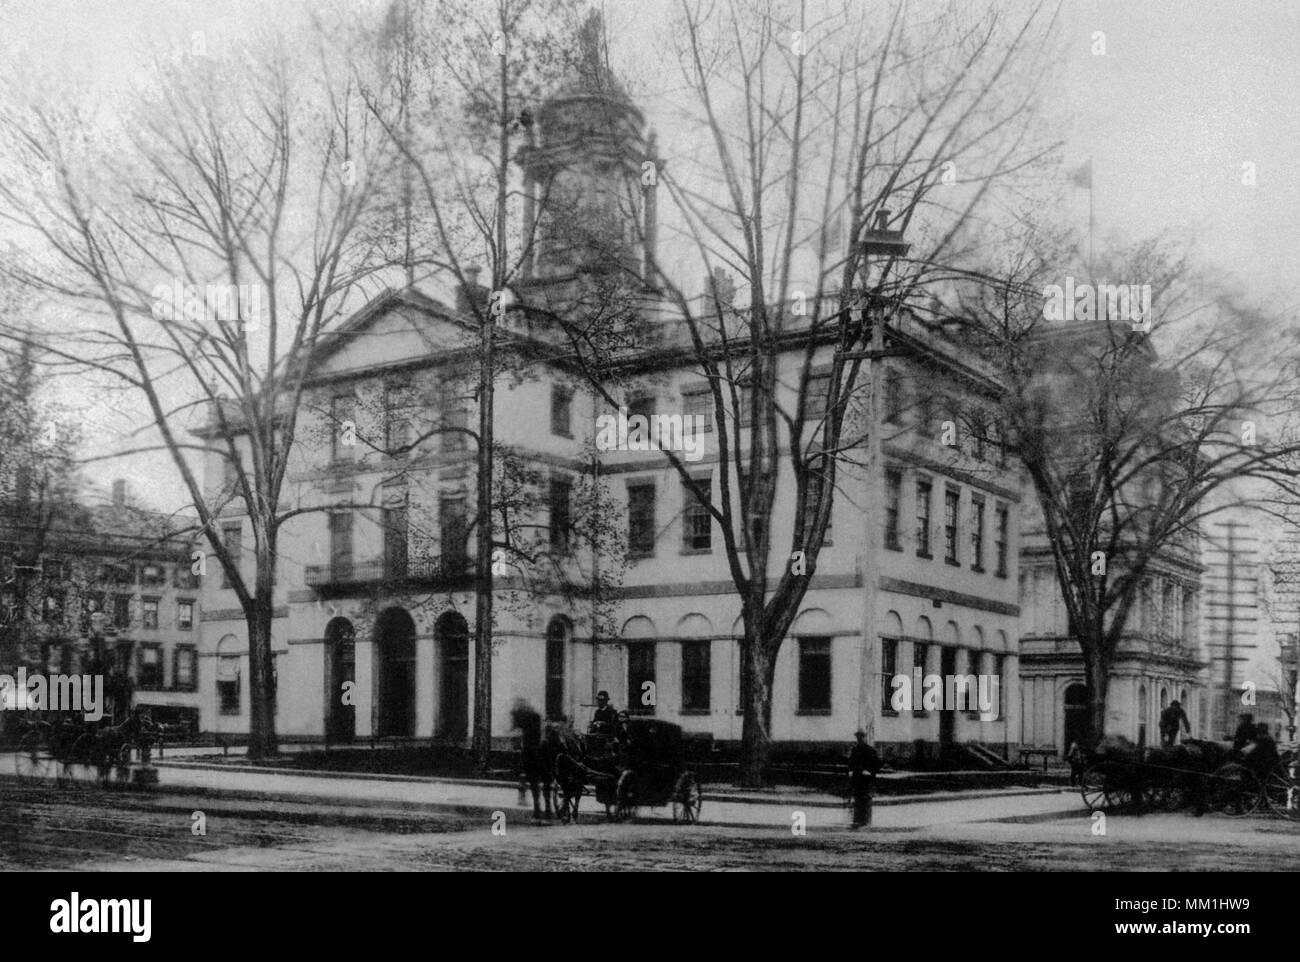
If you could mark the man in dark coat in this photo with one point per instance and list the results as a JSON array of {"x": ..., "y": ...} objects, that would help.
[
  {"x": 1245, "y": 733},
  {"x": 1170, "y": 719},
  {"x": 533, "y": 769},
  {"x": 604, "y": 721},
  {"x": 864, "y": 763}
]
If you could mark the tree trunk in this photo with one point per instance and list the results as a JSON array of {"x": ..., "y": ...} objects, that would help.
[
  {"x": 262, "y": 741},
  {"x": 757, "y": 668},
  {"x": 1097, "y": 670}
]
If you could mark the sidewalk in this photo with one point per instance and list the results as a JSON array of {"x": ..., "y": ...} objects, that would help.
[{"x": 722, "y": 806}]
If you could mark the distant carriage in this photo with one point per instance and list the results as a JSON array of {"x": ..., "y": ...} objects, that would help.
[
  {"x": 1202, "y": 774},
  {"x": 69, "y": 749},
  {"x": 643, "y": 766}
]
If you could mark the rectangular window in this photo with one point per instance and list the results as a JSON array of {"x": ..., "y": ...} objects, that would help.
[
  {"x": 641, "y": 520},
  {"x": 53, "y": 607},
  {"x": 640, "y": 677},
  {"x": 185, "y": 615},
  {"x": 818, "y": 402},
  {"x": 951, "y": 506},
  {"x": 923, "y": 518},
  {"x": 561, "y": 411},
  {"x": 814, "y": 675},
  {"x": 395, "y": 542},
  {"x": 228, "y": 685},
  {"x": 122, "y": 611},
  {"x": 698, "y": 403},
  {"x": 697, "y": 523},
  {"x": 977, "y": 534},
  {"x": 232, "y": 536},
  {"x": 893, "y": 397},
  {"x": 397, "y": 417},
  {"x": 888, "y": 669},
  {"x": 149, "y": 613},
  {"x": 641, "y": 404},
  {"x": 455, "y": 418},
  {"x": 920, "y": 650},
  {"x": 183, "y": 575},
  {"x": 343, "y": 427},
  {"x": 341, "y": 545},
  {"x": 1003, "y": 519},
  {"x": 185, "y": 668},
  {"x": 893, "y": 507},
  {"x": 696, "y": 668},
  {"x": 52, "y": 570},
  {"x": 153, "y": 575},
  {"x": 92, "y": 603},
  {"x": 561, "y": 513},
  {"x": 451, "y": 524},
  {"x": 817, "y": 467},
  {"x": 149, "y": 672}
]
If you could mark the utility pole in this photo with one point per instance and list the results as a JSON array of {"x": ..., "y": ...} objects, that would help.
[{"x": 886, "y": 244}]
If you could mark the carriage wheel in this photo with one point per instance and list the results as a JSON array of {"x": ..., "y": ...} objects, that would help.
[
  {"x": 687, "y": 798},
  {"x": 1093, "y": 784},
  {"x": 1282, "y": 793},
  {"x": 1169, "y": 797},
  {"x": 1236, "y": 790},
  {"x": 624, "y": 797},
  {"x": 32, "y": 761}
]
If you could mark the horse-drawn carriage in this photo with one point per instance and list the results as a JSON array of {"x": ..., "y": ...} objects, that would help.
[
  {"x": 1203, "y": 775},
  {"x": 68, "y": 748},
  {"x": 643, "y": 765}
]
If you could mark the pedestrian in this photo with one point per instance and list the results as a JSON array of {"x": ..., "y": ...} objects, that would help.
[
  {"x": 1170, "y": 719},
  {"x": 864, "y": 763},
  {"x": 1077, "y": 760},
  {"x": 533, "y": 771}
]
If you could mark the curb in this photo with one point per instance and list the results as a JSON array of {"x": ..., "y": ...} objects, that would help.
[{"x": 784, "y": 801}]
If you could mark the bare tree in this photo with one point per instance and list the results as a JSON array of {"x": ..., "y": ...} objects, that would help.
[
  {"x": 1136, "y": 418},
  {"x": 206, "y": 241},
  {"x": 805, "y": 127}
]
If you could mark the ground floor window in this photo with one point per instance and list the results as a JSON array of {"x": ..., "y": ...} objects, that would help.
[
  {"x": 184, "y": 674},
  {"x": 641, "y": 692},
  {"x": 696, "y": 668},
  {"x": 888, "y": 668},
  {"x": 814, "y": 674}
]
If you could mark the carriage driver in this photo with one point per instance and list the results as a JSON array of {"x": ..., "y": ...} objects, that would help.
[{"x": 604, "y": 721}]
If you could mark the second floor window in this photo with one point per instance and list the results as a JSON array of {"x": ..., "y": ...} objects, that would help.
[
  {"x": 561, "y": 411},
  {"x": 122, "y": 611},
  {"x": 341, "y": 544},
  {"x": 695, "y": 675},
  {"x": 1003, "y": 522},
  {"x": 923, "y": 489},
  {"x": 150, "y": 670},
  {"x": 343, "y": 427},
  {"x": 454, "y": 417},
  {"x": 452, "y": 530},
  {"x": 561, "y": 513},
  {"x": 951, "y": 500},
  {"x": 184, "y": 673},
  {"x": 641, "y": 519},
  {"x": 698, "y": 403},
  {"x": 893, "y": 501},
  {"x": 185, "y": 615},
  {"x": 395, "y": 537},
  {"x": 149, "y": 613},
  {"x": 814, "y": 674},
  {"x": 697, "y": 524},
  {"x": 977, "y": 534},
  {"x": 232, "y": 537}
]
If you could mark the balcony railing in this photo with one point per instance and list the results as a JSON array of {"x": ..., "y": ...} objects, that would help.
[{"x": 416, "y": 572}]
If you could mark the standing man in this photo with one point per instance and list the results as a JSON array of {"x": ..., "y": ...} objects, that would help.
[
  {"x": 604, "y": 720},
  {"x": 1170, "y": 719},
  {"x": 864, "y": 763}
]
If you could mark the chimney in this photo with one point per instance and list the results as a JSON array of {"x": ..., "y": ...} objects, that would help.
[{"x": 119, "y": 493}]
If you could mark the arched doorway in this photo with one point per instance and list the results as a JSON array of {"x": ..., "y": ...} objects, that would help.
[
  {"x": 452, "y": 634},
  {"x": 340, "y": 670},
  {"x": 1078, "y": 718},
  {"x": 557, "y": 642},
  {"x": 395, "y": 641}
]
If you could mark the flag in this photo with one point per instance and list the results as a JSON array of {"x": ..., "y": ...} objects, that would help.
[{"x": 1083, "y": 176}]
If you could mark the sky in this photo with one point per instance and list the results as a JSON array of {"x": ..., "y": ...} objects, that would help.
[{"x": 1186, "y": 100}]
